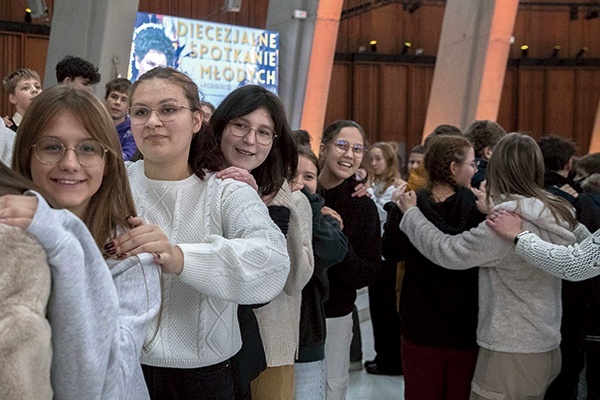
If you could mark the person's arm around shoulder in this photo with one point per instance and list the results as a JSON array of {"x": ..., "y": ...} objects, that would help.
[
  {"x": 459, "y": 252},
  {"x": 249, "y": 263}
]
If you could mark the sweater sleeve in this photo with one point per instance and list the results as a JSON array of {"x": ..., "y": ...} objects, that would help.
[
  {"x": 573, "y": 263},
  {"x": 249, "y": 263},
  {"x": 94, "y": 355},
  {"x": 476, "y": 247}
]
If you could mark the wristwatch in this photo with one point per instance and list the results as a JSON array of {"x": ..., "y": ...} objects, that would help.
[{"x": 516, "y": 239}]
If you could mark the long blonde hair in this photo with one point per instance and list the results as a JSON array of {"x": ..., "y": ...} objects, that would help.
[
  {"x": 392, "y": 174},
  {"x": 517, "y": 167},
  {"x": 111, "y": 205}
]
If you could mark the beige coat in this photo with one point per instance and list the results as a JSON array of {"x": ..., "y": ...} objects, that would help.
[{"x": 25, "y": 347}]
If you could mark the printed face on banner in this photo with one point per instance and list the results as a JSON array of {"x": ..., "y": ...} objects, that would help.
[{"x": 218, "y": 57}]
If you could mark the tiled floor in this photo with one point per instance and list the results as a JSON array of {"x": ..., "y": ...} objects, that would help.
[{"x": 364, "y": 386}]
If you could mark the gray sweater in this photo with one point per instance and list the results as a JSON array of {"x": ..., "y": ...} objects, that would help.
[
  {"x": 519, "y": 304},
  {"x": 98, "y": 312}
]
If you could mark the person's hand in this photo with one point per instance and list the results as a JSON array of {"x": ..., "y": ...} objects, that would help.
[
  {"x": 147, "y": 238},
  {"x": 505, "y": 224},
  {"x": 7, "y": 122},
  {"x": 295, "y": 186},
  {"x": 481, "y": 201},
  {"x": 407, "y": 200},
  {"x": 239, "y": 174},
  {"x": 398, "y": 192},
  {"x": 360, "y": 190},
  {"x": 568, "y": 189},
  {"x": 329, "y": 211},
  {"x": 399, "y": 182},
  {"x": 17, "y": 210}
]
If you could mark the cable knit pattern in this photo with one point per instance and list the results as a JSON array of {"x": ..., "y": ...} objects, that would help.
[
  {"x": 279, "y": 321},
  {"x": 574, "y": 263},
  {"x": 233, "y": 254},
  {"x": 519, "y": 304}
]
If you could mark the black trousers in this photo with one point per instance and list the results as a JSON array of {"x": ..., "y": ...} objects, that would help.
[
  {"x": 214, "y": 382},
  {"x": 385, "y": 317}
]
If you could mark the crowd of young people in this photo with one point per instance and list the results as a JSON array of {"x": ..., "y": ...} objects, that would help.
[{"x": 224, "y": 263}]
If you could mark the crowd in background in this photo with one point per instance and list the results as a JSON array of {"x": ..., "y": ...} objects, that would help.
[{"x": 159, "y": 247}]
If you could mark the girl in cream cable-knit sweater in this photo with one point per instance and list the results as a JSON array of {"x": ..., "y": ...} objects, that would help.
[
  {"x": 214, "y": 235},
  {"x": 519, "y": 305}
]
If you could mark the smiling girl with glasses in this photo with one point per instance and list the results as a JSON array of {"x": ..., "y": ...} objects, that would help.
[{"x": 361, "y": 226}]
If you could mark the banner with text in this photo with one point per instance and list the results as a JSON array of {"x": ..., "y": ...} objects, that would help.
[{"x": 218, "y": 57}]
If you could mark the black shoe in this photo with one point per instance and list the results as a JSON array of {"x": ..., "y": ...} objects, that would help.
[
  {"x": 369, "y": 363},
  {"x": 375, "y": 370}
]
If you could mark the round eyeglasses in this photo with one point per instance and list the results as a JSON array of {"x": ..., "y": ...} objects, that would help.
[
  {"x": 264, "y": 136},
  {"x": 50, "y": 151},
  {"x": 342, "y": 146},
  {"x": 165, "y": 112}
]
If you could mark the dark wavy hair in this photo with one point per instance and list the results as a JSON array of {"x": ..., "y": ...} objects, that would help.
[
  {"x": 204, "y": 149},
  {"x": 441, "y": 152},
  {"x": 282, "y": 161},
  {"x": 72, "y": 67}
]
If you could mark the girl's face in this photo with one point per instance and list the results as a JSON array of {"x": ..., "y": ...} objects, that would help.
[
  {"x": 25, "y": 91},
  {"x": 377, "y": 162},
  {"x": 415, "y": 160},
  {"x": 344, "y": 154},
  {"x": 164, "y": 143},
  {"x": 463, "y": 172},
  {"x": 68, "y": 182},
  {"x": 306, "y": 174},
  {"x": 243, "y": 139}
]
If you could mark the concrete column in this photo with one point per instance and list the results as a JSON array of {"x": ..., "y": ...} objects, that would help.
[
  {"x": 471, "y": 62},
  {"x": 307, "y": 49},
  {"x": 96, "y": 30},
  {"x": 595, "y": 138}
]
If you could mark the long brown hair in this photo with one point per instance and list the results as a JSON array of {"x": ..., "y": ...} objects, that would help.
[
  {"x": 441, "y": 152},
  {"x": 111, "y": 205},
  {"x": 517, "y": 167}
]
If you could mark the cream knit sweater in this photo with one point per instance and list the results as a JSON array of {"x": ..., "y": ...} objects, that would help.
[
  {"x": 233, "y": 254},
  {"x": 279, "y": 321}
]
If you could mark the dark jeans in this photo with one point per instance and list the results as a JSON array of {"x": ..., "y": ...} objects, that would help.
[{"x": 214, "y": 382}]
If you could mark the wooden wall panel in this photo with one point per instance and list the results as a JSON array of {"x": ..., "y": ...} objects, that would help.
[
  {"x": 507, "y": 114},
  {"x": 587, "y": 95},
  {"x": 420, "y": 79},
  {"x": 394, "y": 103},
  {"x": 560, "y": 102},
  {"x": 531, "y": 101},
  {"x": 11, "y": 58},
  {"x": 36, "y": 50},
  {"x": 340, "y": 93},
  {"x": 366, "y": 102}
]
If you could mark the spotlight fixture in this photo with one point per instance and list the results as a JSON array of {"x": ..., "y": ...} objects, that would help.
[
  {"x": 581, "y": 52},
  {"x": 373, "y": 44},
  {"x": 573, "y": 13},
  {"x": 555, "y": 51},
  {"x": 524, "y": 51},
  {"x": 406, "y": 47},
  {"x": 28, "y": 15},
  {"x": 414, "y": 6},
  {"x": 592, "y": 13}
]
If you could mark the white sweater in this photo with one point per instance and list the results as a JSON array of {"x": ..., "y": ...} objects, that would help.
[
  {"x": 233, "y": 254},
  {"x": 519, "y": 304},
  {"x": 279, "y": 321}
]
